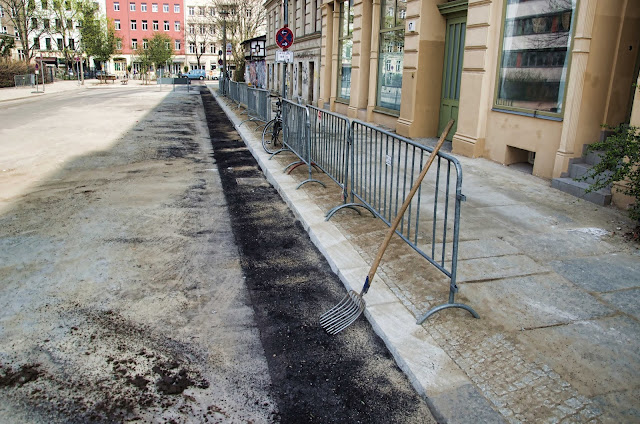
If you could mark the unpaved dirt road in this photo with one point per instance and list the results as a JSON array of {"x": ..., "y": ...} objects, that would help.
[{"x": 133, "y": 290}]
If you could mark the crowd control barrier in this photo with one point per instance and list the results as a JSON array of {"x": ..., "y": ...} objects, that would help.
[{"x": 296, "y": 136}]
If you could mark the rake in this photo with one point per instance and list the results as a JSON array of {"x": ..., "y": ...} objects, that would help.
[{"x": 352, "y": 305}]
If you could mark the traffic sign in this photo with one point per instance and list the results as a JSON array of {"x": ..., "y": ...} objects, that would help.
[
  {"x": 284, "y": 38},
  {"x": 229, "y": 47},
  {"x": 220, "y": 62},
  {"x": 284, "y": 56}
]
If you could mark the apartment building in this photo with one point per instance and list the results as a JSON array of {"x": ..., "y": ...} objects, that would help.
[
  {"x": 52, "y": 32},
  {"x": 527, "y": 81},
  {"x": 135, "y": 23},
  {"x": 303, "y": 76},
  {"x": 203, "y": 37}
]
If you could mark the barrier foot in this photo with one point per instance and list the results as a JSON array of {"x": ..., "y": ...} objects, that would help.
[
  {"x": 311, "y": 180},
  {"x": 293, "y": 165},
  {"x": 353, "y": 206},
  {"x": 468, "y": 308},
  {"x": 276, "y": 152}
]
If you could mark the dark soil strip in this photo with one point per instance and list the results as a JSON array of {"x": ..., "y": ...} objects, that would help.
[{"x": 350, "y": 377}]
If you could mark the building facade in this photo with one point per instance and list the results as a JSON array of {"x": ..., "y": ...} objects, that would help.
[
  {"x": 527, "y": 81},
  {"x": 303, "y": 75},
  {"x": 135, "y": 23},
  {"x": 203, "y": 37}
]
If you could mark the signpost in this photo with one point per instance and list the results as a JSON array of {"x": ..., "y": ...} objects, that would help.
[{"x": 284, "y": 40}]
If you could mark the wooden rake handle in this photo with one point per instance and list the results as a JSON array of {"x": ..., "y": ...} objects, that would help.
[{"x": 403, "y": 208}]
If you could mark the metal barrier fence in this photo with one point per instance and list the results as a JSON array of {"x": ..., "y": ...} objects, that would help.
[
  {"x": 383, "y": 167},
  {"x": 376, "y": 170},
  {"x": 24, "y": 80},
  {"x": 296, "y": 137},
  {"x": 330, "y": 140},
  {"x": 242, "y": 94},
  {"x": 174, "y": 82},
  {"x": 233, "y": 92},
  {"x": 258, "y": 105}
]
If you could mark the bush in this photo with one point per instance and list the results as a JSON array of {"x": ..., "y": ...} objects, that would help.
[
  {"x": 11, "y": 68},
  {"x": 620, "y": 154}
]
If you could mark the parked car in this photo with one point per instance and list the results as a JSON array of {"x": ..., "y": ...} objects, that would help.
[{"x": 195, "y": 74}]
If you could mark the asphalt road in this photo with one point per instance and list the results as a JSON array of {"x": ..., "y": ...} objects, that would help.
[{"x": 149, "y": 273}]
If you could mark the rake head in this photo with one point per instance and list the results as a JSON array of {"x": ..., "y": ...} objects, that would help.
[{"x": 343, "y": 314}]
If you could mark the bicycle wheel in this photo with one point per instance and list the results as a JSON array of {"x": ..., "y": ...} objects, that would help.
[{"x": 272, "y": 136}]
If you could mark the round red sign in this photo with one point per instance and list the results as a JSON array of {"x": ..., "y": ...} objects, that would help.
[{"x": 284, "y": 38}]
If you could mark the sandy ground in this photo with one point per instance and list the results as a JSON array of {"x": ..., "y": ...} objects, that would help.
[{"x": 117, "y": 302}]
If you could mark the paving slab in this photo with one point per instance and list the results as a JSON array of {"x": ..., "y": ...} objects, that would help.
[
  {"x": 626, "y": 301},
  {"x": 561, "y": 244},
  {"x": 534, "y": 301},
  {"x": 604, "y": 351},
  {"x": 493, "y": 268},
  {"x": 601, "y": 273}
]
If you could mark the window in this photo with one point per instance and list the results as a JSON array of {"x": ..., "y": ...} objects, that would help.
[
  {"x": 116, "y": 6},
  {"x": 47, "y": 43},
  {"x": 203, "y": 48},
  {"x": 165, "y": 8},
  {"x": 134, "y": 25},
  {"x": 212, "y": 29},
  {"x": 21, "y": 55},
  {"x": 145, "y": 26},
  {"x": 134, "y": 43},
  {"x": 119, "y": 44},
  {"x": 45, "y": 5},
  {"x": 212, "y": 11},
  {"x": 46, "y": 23},
  {"x": 72, "y": 44},
  {"x": 132, "y": 7},
  {"x": 154, "y": 7},
  {"x": 16, "y": 33},
  {"x": 345, "y": 46},
  {"x": 145, "y": 44},
  {"x": 166, "y": 25},
  {"x": 176, "y": 8},
  {"x": 203, "y": 30},
  {"x": 391, "y": 54},
  {"x": 36, "y": 43},
  {"x": 155, "y": 25},
  {"x": 2, "y": 11},
  {"x": 3, "y": 30},
  {"x": 192, "y": 48},
  {"x": 176, "y": 25},
  {"x": 212, "y": 49},
  {"x": 58, "y": 24},
  {"x": 191, "y": 10},
  {"x": 59, "y": 42},
  {"x": 116, "y": 23},
  {"x": 176, "y": 44},
  {"x": 192, "y": 29},
  {"x": 143, "y": 7},
  {"x": 201, "y": 10},
  {"x": 69, "y": 24},
  {"x": 535, "y": 50}
]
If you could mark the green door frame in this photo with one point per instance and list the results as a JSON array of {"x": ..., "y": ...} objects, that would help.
[{"x": 456, "y": 26}]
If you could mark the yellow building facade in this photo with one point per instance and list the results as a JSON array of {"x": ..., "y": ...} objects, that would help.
[{"x": 528, "y": 81}]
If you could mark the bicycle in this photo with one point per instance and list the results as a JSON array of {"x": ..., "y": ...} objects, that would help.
[{"x": 272, "y": 134}]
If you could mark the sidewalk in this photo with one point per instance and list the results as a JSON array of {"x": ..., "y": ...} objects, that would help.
[
  {"x": 556, "y": 286},
  {"x": 19, "y": 93}
]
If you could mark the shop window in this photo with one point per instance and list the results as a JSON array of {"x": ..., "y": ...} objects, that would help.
[
  {"x": 390, "y": 63},
  {"x": 345, "y": 47},
  {"x": 534, "y": 56}
]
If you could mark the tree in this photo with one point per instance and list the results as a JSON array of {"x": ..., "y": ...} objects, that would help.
[
  {"x": 160, "y": 51},
  {"x": 97, "y": 34},
  {"x": 156, "y": 53},
  {"x": 200, "y": 31},
  {"x": 24, "y": 15},
  {"x": 6, "y": 44},
  {"x": 245, "y": 19}
]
